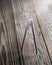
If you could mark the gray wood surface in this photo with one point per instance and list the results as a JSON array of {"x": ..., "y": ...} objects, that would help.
[{"x": 17, "y": 18}]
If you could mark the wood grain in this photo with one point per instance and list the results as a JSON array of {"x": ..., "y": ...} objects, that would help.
[
  {"x": 23, "y": 10},
  {"x": 14, "y": 17},
  {"x": 9, "y": 51}
]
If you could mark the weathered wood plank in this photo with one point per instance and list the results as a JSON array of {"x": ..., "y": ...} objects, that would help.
[
  {"x": 23, "y": 10},
  {"x": 20, "y": 13},
  {"x": 10, "y": 42}
]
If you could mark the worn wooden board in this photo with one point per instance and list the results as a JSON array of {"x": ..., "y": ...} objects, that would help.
[
  {"x": 8, "y": 37},
  {"x": 14, "y": 17},
  {"x": 23, "y": 10}
]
